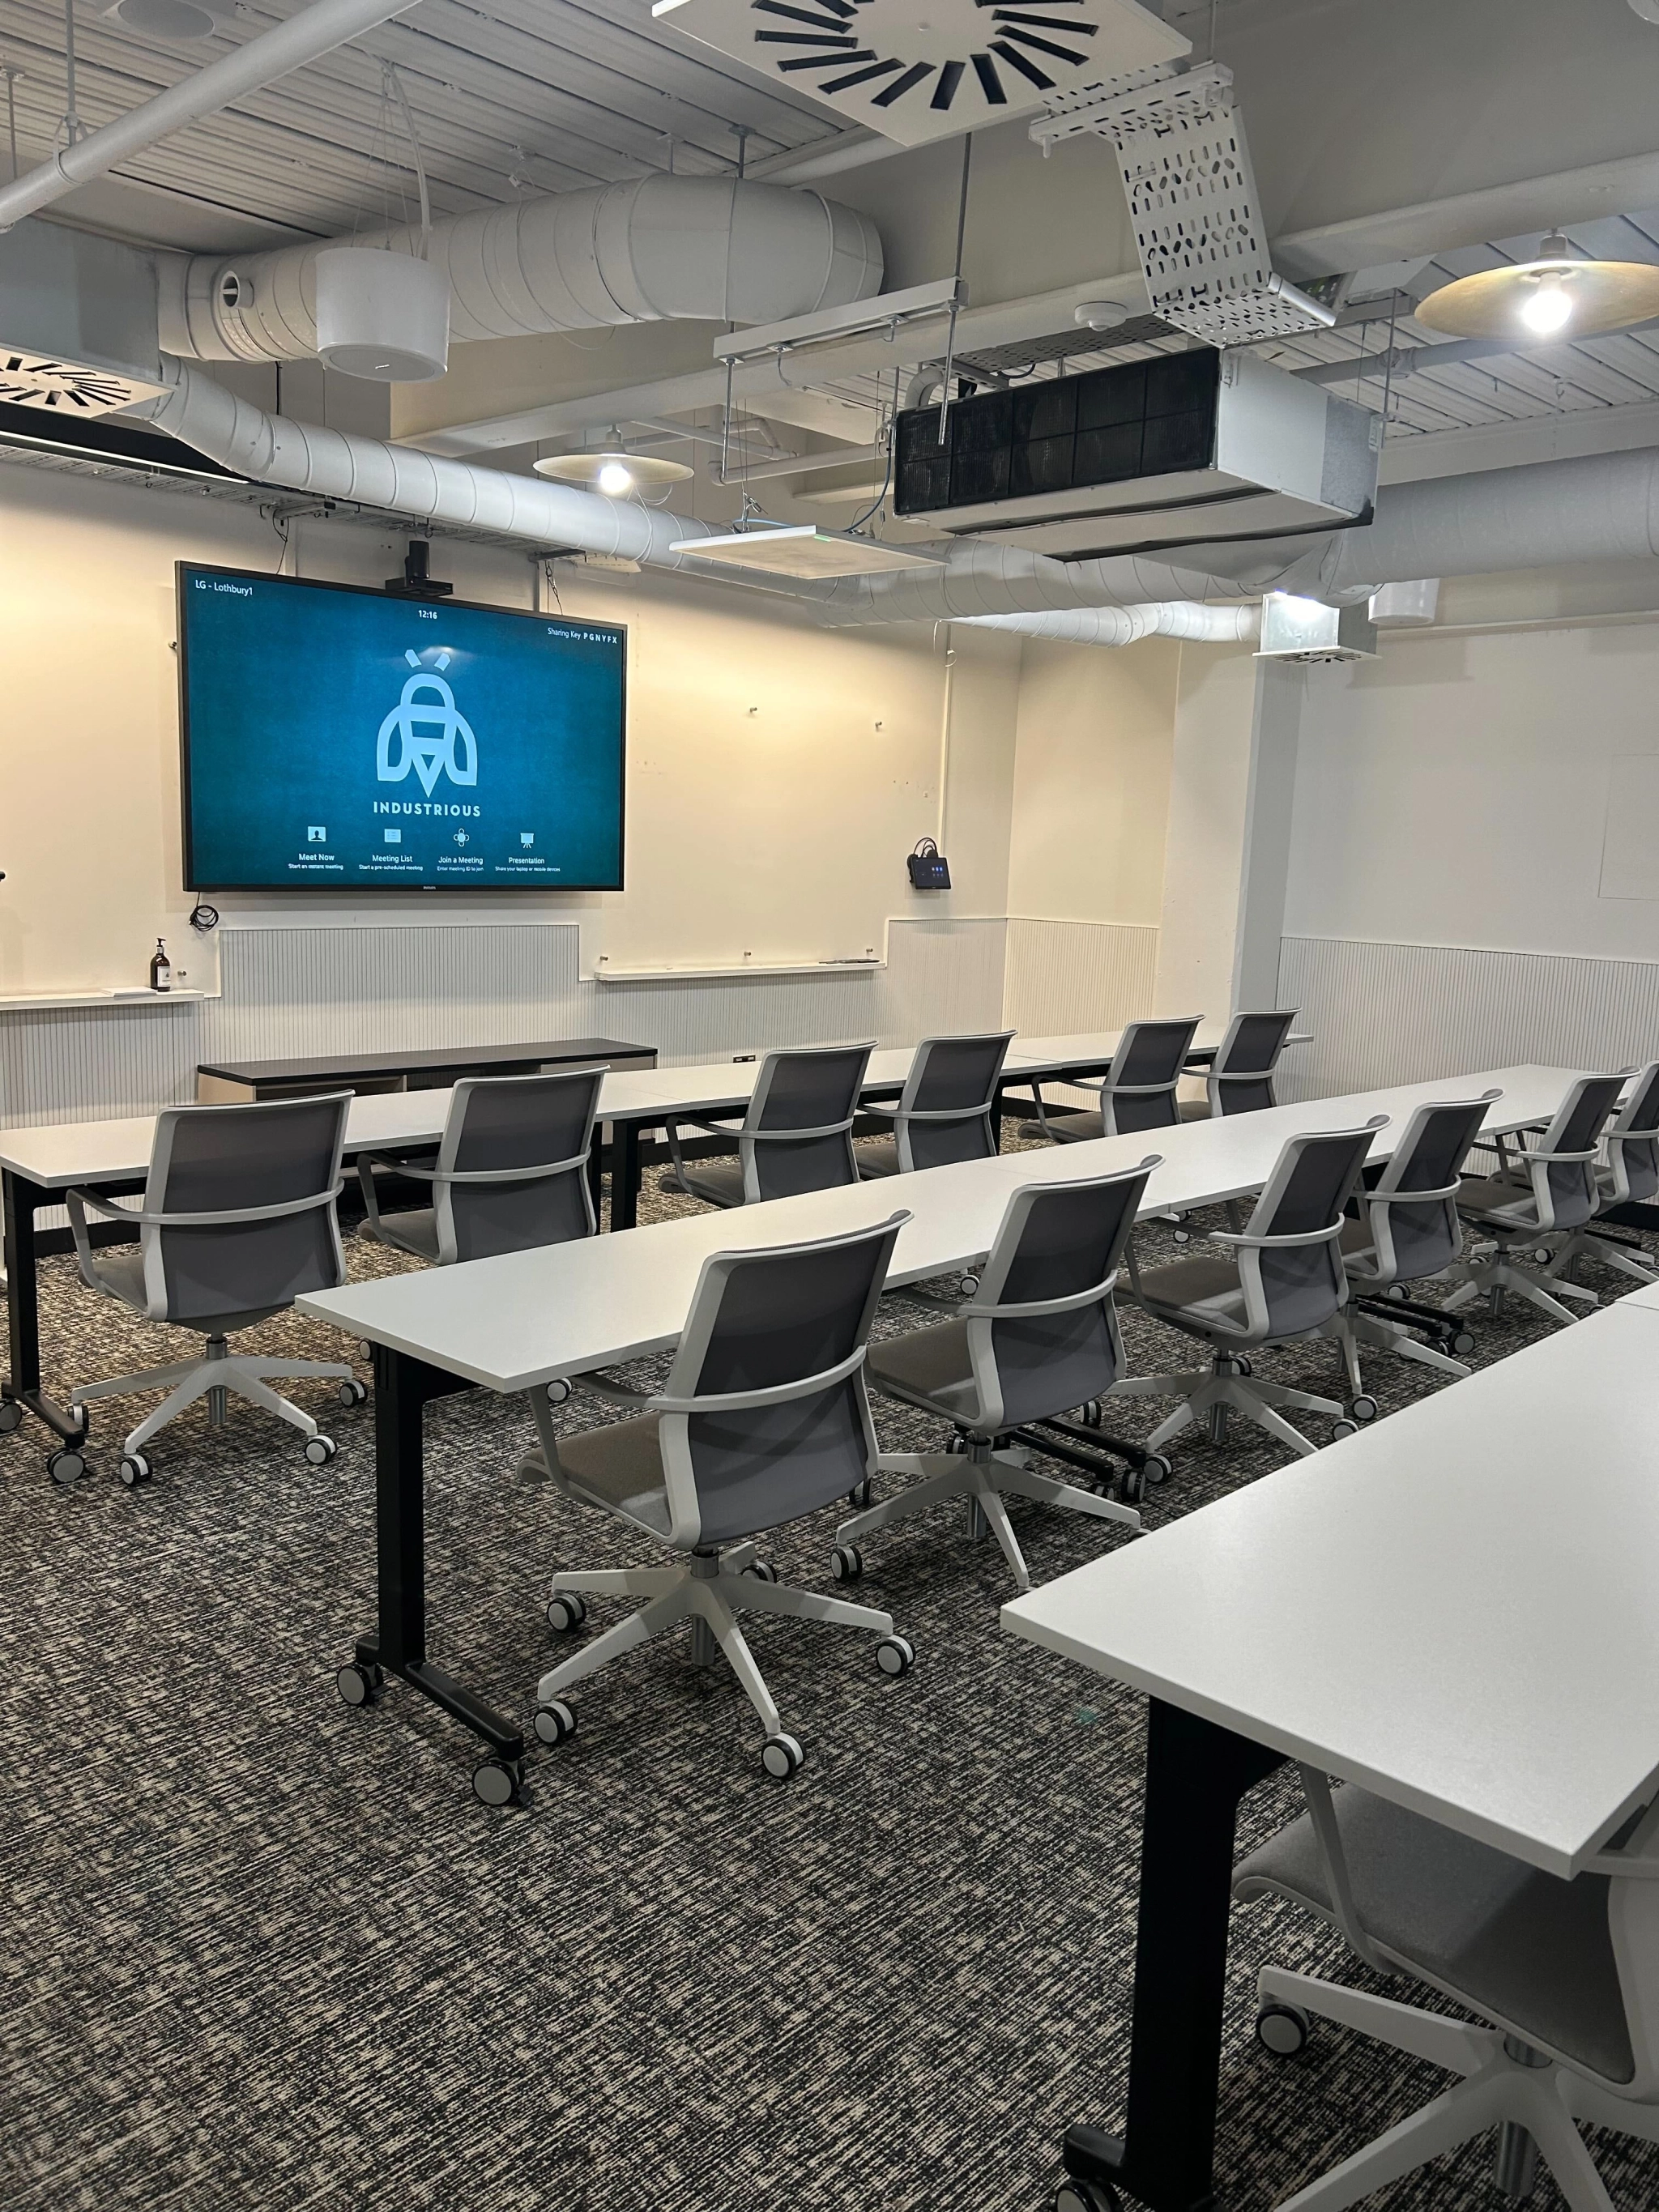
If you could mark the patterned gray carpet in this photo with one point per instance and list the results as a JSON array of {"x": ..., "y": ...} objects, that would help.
[{"x": 260, "y": 1950}]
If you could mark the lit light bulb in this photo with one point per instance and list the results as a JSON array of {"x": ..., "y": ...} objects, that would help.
[
  {"x": 1549, "y": 306},
  {"x": 614, "y": 480}
]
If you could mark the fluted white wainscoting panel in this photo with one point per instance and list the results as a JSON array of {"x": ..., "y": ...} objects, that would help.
[
  {"x": 1409, "y": 1013},
  {"x": 1066, "y": 976},
  {"x": 90, "y": 1064}
]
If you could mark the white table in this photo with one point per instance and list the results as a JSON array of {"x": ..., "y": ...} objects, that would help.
[
  {"x": 1453, "y": 1609},
  {"x": 529, "y": 1318}
]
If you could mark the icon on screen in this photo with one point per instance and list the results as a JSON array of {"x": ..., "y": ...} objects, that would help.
[
  {"x": 394, "y": 837},
  {"x": 527, "y": 837},
  {"x": 316, "y": 834},
  {"x": 461, "y": 837}
]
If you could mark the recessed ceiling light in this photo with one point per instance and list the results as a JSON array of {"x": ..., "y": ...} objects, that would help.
[{"x": 1554, "y": 296}]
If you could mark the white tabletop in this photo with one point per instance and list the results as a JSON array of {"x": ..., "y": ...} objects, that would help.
[
  {"x": 1646, "y": 1301},
  {"x": 1454, "y": 1608},
  {"x": 523, "y": 1319}
]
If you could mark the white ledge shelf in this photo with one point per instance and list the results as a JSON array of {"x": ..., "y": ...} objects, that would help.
[
  {"x": 871, "y": 967},
  {"x": 41, "y": 1002}
]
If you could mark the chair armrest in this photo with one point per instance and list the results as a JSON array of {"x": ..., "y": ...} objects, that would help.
[
  {"x": 395, "y": 1166},
  {"x": 1278, "y": 1243},
  {"x": 78, "y": 1200},
  {"x": 111, "y": 1207},
  {"x": 614, "y": 1393}
]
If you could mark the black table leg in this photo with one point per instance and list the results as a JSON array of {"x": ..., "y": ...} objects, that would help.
[
  {"x": 624, "y": 1174},
  {"x": 1196, "y": 1773},
  {"x": 402, "y": 1388},
  {"x": 23, "y": 1200}
]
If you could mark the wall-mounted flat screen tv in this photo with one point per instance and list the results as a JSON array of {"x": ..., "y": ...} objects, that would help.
[{"x": 337, "y": 738}]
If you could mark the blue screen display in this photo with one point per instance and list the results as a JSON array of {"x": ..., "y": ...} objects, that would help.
[{"x": 344, "y": 738}]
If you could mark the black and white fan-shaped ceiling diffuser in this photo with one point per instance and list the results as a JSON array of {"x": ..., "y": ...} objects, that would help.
[{"x": 920, "y": 69}]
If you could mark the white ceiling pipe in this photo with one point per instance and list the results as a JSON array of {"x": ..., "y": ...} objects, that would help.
[
  {"x": 317, "y": 30},
  {"x": 1181, "y": 618},
  {"x": 649, "y": 249}
]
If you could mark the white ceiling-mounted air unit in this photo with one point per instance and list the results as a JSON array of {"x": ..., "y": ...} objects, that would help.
[
  {"x": 1308, "y": 632},
  {"x": 78, "y": 322},
  {"x": 919, "y": 70}
]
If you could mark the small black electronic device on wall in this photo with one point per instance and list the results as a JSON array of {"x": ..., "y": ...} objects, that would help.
[{"x": 929, "y": 869}]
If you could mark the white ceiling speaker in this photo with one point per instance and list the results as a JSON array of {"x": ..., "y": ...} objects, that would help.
[
  {"x": 614, "y": 472},
  {"x": 381, "y": 316},
  {"x": 179, "y": 22},
  {"x": 919, "y": 70}
]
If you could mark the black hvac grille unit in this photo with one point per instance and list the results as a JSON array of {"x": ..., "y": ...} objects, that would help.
[
  {"x": 105, "y": 438},
  {"x": 1142, "y": 418}
]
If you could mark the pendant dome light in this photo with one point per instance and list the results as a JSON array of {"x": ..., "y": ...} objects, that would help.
[
  {"x": 1555, "y": 297},
  {"x": 613, "y": 470}
]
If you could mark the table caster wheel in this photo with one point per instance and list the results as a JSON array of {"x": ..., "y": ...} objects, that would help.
[
  {"x": 1363, "y": 1408},
  {"x": 497, "y": 1782},
  {"x": 1132, "y": 1485},
  {"x": 354, "y": 1393},
  {"x": 11, "y": 1416},
  {"x": 360, "y": 1684},
  {"x": 1340, "y": 1429},
  {"x": 558, "y": 1392},
  {"x": 134, "y": 1468},
  {"x": 566, "y": 1610},
  {"x": 896, "y": 1654},
  {"x": 846, "y": 1563},
  {"x": 1074, "y": 2195},
  {"x": 1157, "y": 1469},
  {"x": 320, "y": 1449},
  {"x": 1463, "y": 1343},
  {"x": 66, "y": 1464},
  {"x": 860, "y": 1495},
  {"x": 968, "y": 1286},
  {"x": 761, "y": 1570},
  {"x": 1283, "y": 2029},
  {"x": 781, "y": 1756},
  {"x": 554, "y": 1723}
]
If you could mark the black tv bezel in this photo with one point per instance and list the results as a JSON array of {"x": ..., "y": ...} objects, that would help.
[{"x": 385, "y": 889}]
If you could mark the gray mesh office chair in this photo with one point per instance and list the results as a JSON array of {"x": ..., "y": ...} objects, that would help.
[
  {"x": 1287, "y": 1282},
  {"x": 1408, "y": 1230},
  {"x": 236, "y": 1221},
  {"x": 1538, "y": 1200},
  {"x": 1566, "y": 1972},
  {"x": 947, "y": 1109},
  {"x": 511, "y": 1174},
  {"x": 1240, "y": 1079},
  {"x": 764, "y": 1417},
  {"x": 796, "y": 1136},
  {"x": 1630, "y": 1176},
  {"x": 1038, "y": 1336},
  {"x": 1138, "y": 1092}
]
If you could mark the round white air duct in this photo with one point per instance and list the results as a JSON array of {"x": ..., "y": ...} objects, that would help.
[{"x": 382, "y": 316}]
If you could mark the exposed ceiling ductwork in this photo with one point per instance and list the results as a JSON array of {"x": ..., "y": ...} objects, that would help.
[
  {"x": 1181, "y": 618},
  {"x": 648, "y": 250}
]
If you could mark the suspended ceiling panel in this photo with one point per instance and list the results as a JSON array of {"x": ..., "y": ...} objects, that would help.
[{"x": 919, "y": 70}]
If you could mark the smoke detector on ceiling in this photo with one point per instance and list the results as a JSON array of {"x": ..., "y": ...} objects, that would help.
[{"x": 176, "y": 22}]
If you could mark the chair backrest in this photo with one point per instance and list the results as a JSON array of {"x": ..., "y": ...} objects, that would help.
[
  {"x": 1412, "y": 1211},
  {"x": 512, "y": 1170},
  {"x": 1562, "y": 1170},
  {"x": 797, "y": 1132},
  {"x": 1290, "y": 1260},
  {"x": 1042, "y": 1332},
  {"x": 1634, "y": 1143},
  {"x": 1240, "y": 1078},
  {"x": 1633, "y": 1925},
  {"x": 947, "y": 1112},
  {"x": 1140, "y": 1091},
  {"x": 765, "y": 1416},
  {"x": 240, "y": 1201}
]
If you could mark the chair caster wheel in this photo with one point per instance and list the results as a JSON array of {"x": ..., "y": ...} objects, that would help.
[
  {"x": 1242, "y": 1366},
  {"x": 1363, "y": 1408},
  {"x": 135, "y": 1469},
  {"x": 78, "y": 1415},
  {"x": 365, "y": 1350},
  {"x": 1074, "y": 2195},
  {"x": 66, "y": 1464},
  {"x": 781, "y": 1756},
  {"x": 860, "y": 1495},
  {"x": 1093, "y": 1414},
  {"x": 11, "y": 1416},
  {"x": 1395, "y": 1294},
  {"x": 1283, "y": 2029},
  {"x": 565, "y": 1609},
  {"x": 354, "y": 1393},
  {"x": 554, "y": 1723},
  {"x": 846, "y": 1563},
  {"x": 1340, "y": 1429},
  {"x": 497, "y": 1782},
  {"x": 1463, "y": 1343},
  {"x": 1156, "y": 1469},
  {"x": 320, "y": 1449},
  {"x": 896, "y": 1654},
  {"x": 1132, "y": 1485},
  {"x": 1181, "y": 1236},
  {"x": 761, "y": 1570},
  {"x": 360, "y": 1684}
]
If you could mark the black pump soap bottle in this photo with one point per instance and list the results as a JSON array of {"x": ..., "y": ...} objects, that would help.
[{"x": 161, "y": 968}]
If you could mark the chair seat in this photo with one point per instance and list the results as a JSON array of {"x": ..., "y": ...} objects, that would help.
[
  {"x": 1490, "y": 1197},
  {"x": 1195, "y": 1109},
  {"x": 878, "y": 1157},
  {"x": 416, "y": 1231},
  {"x": 928, "y": 1367},
  {"x": 717, "y": 1182},
  {"x": 1076, "y": 1128},
  {"x": 1526, "y": 1948},
  {"x": 122, "y": 1275},
  {"x": 1202, "y": 1289},
  {"x": 619, "y": 1468}
]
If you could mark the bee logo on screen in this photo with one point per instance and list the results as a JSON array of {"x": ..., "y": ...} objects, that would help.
[{"x": 427, "y": 731}]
